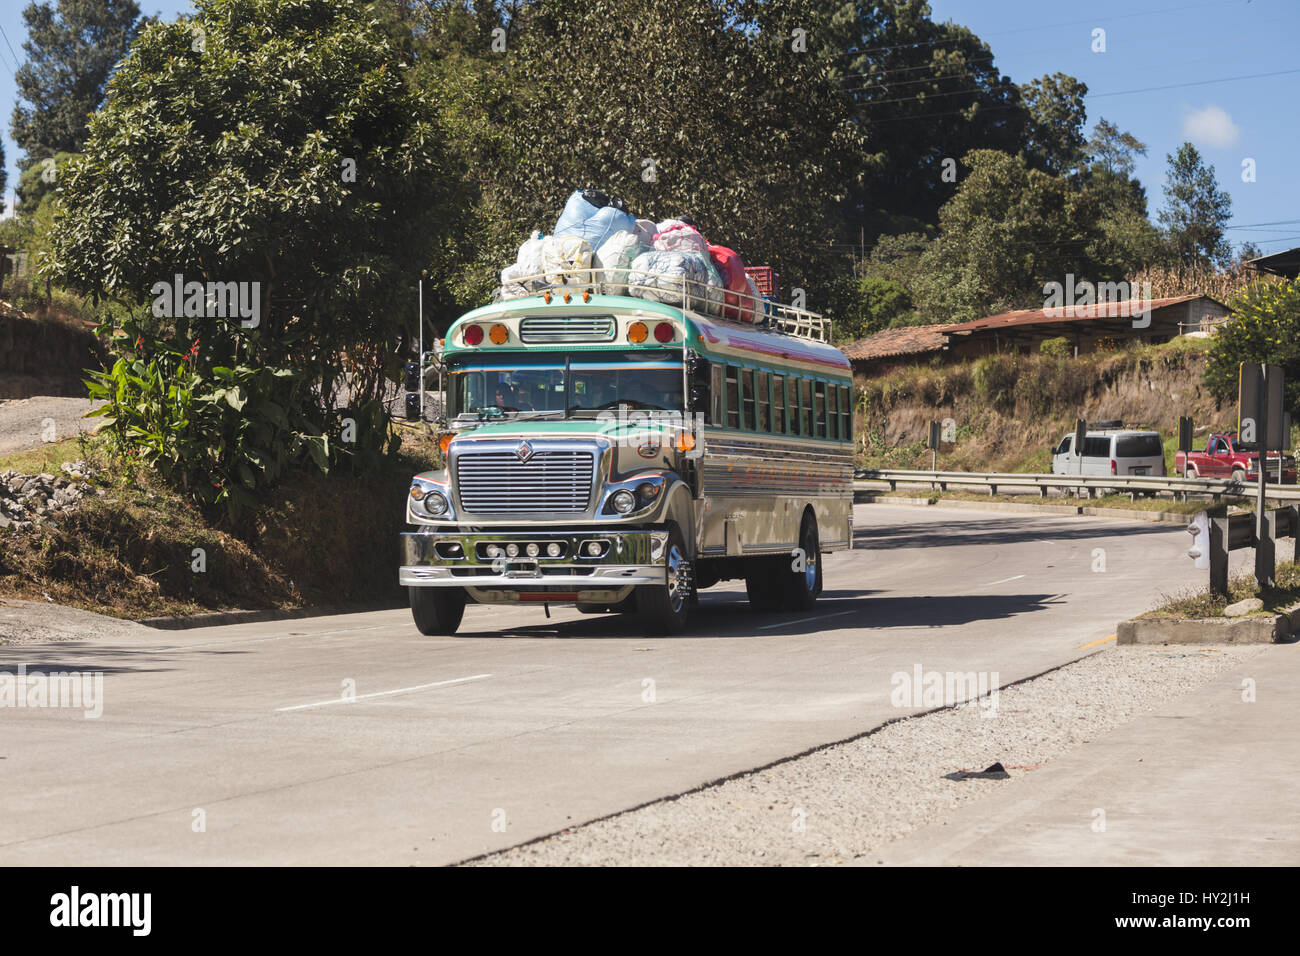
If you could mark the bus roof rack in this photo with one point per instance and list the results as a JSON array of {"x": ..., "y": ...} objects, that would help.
[{"x": 697, "y": 298}]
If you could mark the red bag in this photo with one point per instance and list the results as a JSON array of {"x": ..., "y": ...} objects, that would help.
[{"x": 736, "y": 304}]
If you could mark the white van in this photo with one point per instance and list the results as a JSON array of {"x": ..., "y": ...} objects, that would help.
[{"x": 1110, "y": 451}]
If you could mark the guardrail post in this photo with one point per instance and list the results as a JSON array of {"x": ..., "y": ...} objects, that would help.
[
  {"x": 1042, "y": 491},
  {"x": 1265, "y": 552},
  {"x": 993, "y": 490},
  {"x": 1219, "y": 556}
]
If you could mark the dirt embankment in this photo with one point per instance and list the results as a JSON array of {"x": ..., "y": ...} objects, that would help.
[
  {"x": 1006, "y": 410},
  {"x": 44, "y": 357}
]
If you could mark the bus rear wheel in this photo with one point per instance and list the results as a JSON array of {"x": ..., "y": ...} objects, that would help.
[
  {"x": 802, "y": 579},
  {"x": 664, "y": 608},
  {"x": 437, "y": 611}
]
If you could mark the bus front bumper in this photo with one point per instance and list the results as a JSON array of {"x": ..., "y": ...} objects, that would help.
[{"x": 455, "y": 559}]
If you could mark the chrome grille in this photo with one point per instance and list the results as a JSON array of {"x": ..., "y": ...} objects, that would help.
[
  {"x": 567, "y": 328},
  {"x": 497, "y": 482}
]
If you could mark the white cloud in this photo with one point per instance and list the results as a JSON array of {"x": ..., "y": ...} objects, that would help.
[{"x": 1211, "y": 126}]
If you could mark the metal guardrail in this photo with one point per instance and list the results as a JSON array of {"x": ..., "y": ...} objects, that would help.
[{"x": 1091, "y": 484}]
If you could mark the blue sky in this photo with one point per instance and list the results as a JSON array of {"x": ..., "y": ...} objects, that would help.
[{"x": 1149, "y": 43}]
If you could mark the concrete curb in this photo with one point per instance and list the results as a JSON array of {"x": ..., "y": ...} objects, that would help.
[
  {"x": 222, "y": 618},
  {"x": 1261, "y": 629},
  {"x": 1024, "y": 507}
]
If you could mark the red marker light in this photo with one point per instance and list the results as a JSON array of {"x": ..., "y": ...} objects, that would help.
[
  {"x": 664, "y": 332},
  {"x": 473, "y": 334}
]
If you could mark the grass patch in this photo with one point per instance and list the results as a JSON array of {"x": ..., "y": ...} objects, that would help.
[
  {"x": 1200, "y": 603},
  {"x": 48, "y": 458},
  {"x": 316, "y": 540}
]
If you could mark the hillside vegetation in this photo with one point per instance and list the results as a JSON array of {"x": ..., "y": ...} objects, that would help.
[{"x": 1008, "y": 409}]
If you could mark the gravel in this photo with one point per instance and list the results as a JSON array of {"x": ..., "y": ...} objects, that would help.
[
  {"x": 34, "y": 622},
  {"x": 29, "y": 501},
  {"x": 855, "y": 797}
]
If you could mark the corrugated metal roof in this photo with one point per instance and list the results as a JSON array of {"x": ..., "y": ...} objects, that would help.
[
  {"x": 1105, "y": 310},
  {"x": 906, "y": 340}
]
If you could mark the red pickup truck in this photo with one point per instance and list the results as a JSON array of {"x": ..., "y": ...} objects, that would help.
[{"x": 1221, "y": 458}]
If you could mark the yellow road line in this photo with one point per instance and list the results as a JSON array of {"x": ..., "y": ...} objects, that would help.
[{"x": 1095, "y": 643}]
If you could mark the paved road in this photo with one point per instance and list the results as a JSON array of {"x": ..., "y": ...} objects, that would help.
[
  {"x": 26, "y": 422},
  {"x": 532, "y": 723}
]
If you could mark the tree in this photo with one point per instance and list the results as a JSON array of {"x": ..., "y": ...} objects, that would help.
[
  {"x": 284, "y": 154},
  {"x": 924, "y": 94},
  {"x": 1008, "y": 231},
  {"x": 1054, "y": 126},
  {"x": 1264, "y": 328},
  {"x": 1128, "y": 241},
  {"x": 1196, "y": 210},
  {"x": 703, "y": 108},
  {"x": 868, "y": 306},
  {"x": 71, "y": 53}
]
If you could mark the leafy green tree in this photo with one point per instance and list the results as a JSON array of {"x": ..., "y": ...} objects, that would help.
[
  {"x": 868, "y": 306},
  {"x": 1113, "y": 150},
  {"x": 1264, "y": 328},
  {"x": 277, "y": 145},
  {"x": 1009, "y": 230},
  {"x": 703, "y": 108},
  {"x": 1128, "y": 242},
  {"x": 1054, "y": 127},
  {"x": 1196, "y": 210},
  {"x": 72, "y": 49},
  {"x": 925, "y": 94}
]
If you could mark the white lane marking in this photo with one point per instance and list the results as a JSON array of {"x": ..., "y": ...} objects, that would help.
[
  {"x": 805, "y": 620},
  {"x": 1003, "y": 581},
  {"x": 384, "y": 693}
]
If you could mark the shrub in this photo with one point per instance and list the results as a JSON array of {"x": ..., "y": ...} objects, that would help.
[{"x": 1058, "y": 347}]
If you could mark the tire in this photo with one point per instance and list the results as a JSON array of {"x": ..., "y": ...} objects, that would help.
[
  {"x": 763, "y": 585},
  {"x": 591, "y": 608},
  {"x": 1238, "y": 475},
  {"x": 1192, "y": 472},
  {"x": 437, "y": 611},
  {"x": 665, "y": 608},
  {"x": 800, "y": 588}
]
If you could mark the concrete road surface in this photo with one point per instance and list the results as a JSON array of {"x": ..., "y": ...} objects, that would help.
[
  {"x": 352, "y": 739},
  {"x": 27, "y": 422}
]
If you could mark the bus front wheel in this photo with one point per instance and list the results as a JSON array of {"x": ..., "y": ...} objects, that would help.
[
  {"x": 665, "y": 607},
  {"x": 437, "y": 611}
]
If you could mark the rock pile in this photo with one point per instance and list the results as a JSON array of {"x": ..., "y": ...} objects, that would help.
[{"x": 28, "y": 501}]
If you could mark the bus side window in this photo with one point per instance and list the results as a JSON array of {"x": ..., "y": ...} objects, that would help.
[
  {"x": 796, "y": 420},
  {"x": 778, "y": 404},
  {"x": 764, "y": 402},
  {"x": 747, "y": 382},
  {"x": 805, "y": 402},
  {"x": 819, "y": 409},
  {"x": 833, "y": 412},
  {"x": 715, "y": 388},
  {"x": 733, "y": 397},
  {"x": 846, "y": 413}
]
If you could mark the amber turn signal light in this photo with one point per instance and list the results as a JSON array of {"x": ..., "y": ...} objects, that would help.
[
  {"x": 444, "y": 442},
  {"x": 499, "y": 334},
  {"x": 637, "y": 332}
]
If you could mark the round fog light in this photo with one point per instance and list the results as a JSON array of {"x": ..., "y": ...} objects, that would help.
[
  {"x": 492, "y": 551},
  {"x": 553, "y": 550},
  {"x": 623, "y": 501},
  {"x": 532, "y": 550},
  {"x": 512, "y": 550},
  {"x": 593, "y": 548}
]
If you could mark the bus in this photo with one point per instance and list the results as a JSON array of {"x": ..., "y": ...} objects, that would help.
[{"x": 616, "y": 452}]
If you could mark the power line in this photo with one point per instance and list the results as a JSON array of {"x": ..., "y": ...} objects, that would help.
[{"x": 11, "y": 52}]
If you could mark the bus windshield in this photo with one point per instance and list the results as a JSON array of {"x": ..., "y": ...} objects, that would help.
[{"x": 529, "y": 384}]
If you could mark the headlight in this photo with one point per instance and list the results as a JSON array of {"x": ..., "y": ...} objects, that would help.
[
  {"x": 622, "y": 501},
  {"x": 435, "y": 503}
]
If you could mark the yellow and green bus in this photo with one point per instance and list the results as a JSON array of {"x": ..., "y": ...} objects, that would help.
[{"x": 619, "y": 454}]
